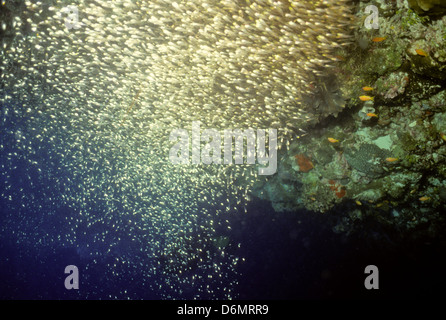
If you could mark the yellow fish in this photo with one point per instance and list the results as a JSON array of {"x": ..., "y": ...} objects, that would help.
[
  {"x": 424, "y": 198},
  {"x": 372, "y": 115},
  {"x": 333, "y": 140},
  {"x": 365, "y": 98},
  {"x": 443, "y": 136},
  {"x": 379, "y": 39},
  {"x": 421, "y": 52},
  {"x": 358, "y": 202},
  {"x": 390, "y": 159},
  {"x": 367, "y": 88}
]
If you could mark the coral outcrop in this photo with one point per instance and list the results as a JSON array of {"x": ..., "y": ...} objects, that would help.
[{"x": 390, "y": 162}]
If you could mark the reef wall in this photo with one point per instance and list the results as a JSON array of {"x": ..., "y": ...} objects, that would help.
[{"x": 385, "y": 156}]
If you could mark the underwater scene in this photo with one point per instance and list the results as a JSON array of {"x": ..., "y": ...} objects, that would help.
[{"x": 222, "y": 149}]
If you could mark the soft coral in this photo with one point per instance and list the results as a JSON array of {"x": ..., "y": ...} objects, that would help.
[
  {"x": 304, "y": 162},
  {"x": 337, "y": 188}
]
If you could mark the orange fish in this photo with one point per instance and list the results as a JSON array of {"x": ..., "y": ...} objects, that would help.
[
  {"x": 379, "y": 39},
  {"x": 390, "y": 159},
  {"x": 372, "y": 115},
  {"x": 421, "y": 52},
  {"x": 365, "y": 98},
  {"x": 333, "y": 140},
  {"x": 367, "y": 88},
  {"x": 424, "y": 198}
]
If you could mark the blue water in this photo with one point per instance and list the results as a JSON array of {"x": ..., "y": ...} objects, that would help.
[{"x": 286, "y": 255}]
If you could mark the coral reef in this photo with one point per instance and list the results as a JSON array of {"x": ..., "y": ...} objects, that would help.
[{"x": 390, "y": 162}]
